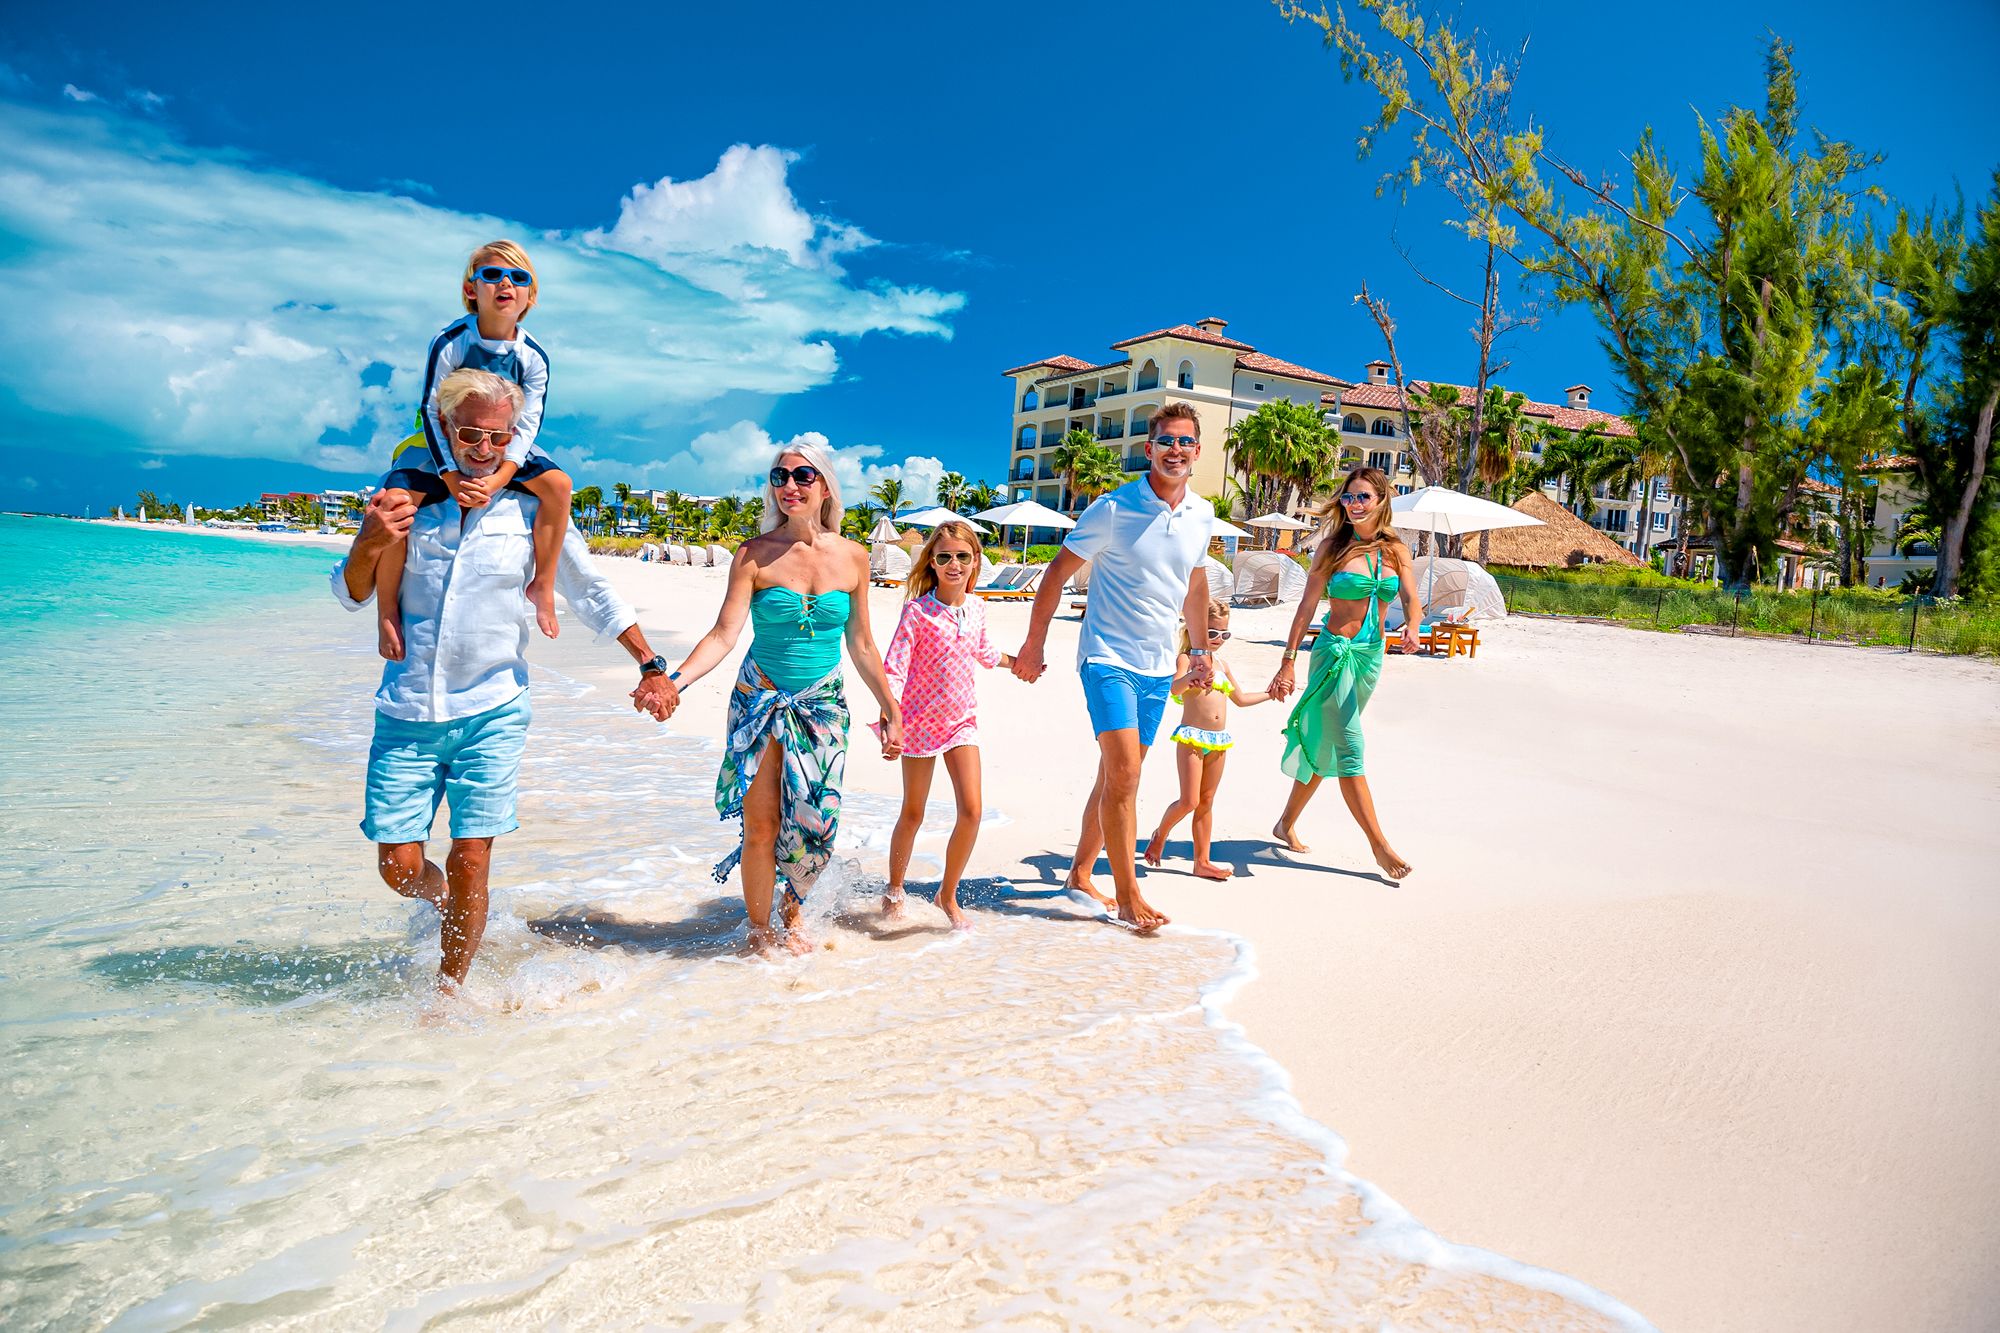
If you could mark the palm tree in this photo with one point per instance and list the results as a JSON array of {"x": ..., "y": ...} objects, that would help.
[
  {"x": 1578, "y": 460},
  {"x": 1284, "y": 452},
  {"x": 889, "y": 494},
  {"x": 586, "y": 501},
  {"x": 1501, "y": 428},
  {"x": 1097, "y": 471},
  {"x": 952, "y": 490},
  {"x": 670, "y": 509},
  {"x": 983, "y": 495},
  {"x": 1076, "y": 446},
  {"x": 752, "y": 516}
]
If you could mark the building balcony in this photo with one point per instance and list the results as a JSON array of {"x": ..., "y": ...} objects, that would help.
[
  {"x": 1047, "y": 473},
  {"x": 1112, "y": 432},
  {"x": 1135, "y": 462},
  {"x": 1111, "y": 392}
]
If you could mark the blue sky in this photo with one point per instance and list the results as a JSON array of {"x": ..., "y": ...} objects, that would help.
[{"x": 228, "y": 232}]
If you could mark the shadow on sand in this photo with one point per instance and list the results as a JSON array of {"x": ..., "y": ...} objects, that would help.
[{"x": 256, "y": 976}]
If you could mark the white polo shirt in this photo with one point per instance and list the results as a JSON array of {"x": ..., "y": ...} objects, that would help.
[{"x": 1141, "y": 552}]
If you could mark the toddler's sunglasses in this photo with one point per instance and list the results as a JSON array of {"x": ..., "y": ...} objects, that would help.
[
  {"x": 1219, "y": 635},
  {"x": 492, "y": 273},
  {"x": 473, "y": 435},
  {"x": 805, "y": 474},
  {"x": 952, "y": 557}
]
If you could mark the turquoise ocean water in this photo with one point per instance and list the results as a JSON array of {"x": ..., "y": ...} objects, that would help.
[{"x": 231, "y": 1101}]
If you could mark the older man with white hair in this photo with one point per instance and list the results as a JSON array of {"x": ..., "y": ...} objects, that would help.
[{"x": 451, "y": 718}]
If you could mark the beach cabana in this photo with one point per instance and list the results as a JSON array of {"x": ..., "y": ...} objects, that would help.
[
  {"x": 719, "y": 555},
  {"x": 889, "y": 563},
  {"x": 677, "y": 554},
  {"x": 1264, "y": 578},
  {"x": 1557, "y": 540},
  {"x": 1460, "y": 587},
  {"x": 1221, "y": 583}
]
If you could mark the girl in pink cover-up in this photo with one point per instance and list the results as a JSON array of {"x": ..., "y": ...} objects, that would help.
[{"x": 940, "y": 643}]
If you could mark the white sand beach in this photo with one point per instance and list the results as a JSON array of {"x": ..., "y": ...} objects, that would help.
[{"x": 1691, "y": 996}]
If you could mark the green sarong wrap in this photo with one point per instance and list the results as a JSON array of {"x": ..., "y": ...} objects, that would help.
[
  {"x": 810, "y": 727},
  {"x": 1323, "y": 734}
]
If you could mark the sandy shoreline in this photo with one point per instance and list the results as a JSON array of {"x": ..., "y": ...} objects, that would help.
[{"x": 1691, "y": 996}]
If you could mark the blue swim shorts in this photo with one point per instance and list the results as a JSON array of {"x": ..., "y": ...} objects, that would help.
[
  {"x": 1121, "y": 699},
  {"x": 474, "y": 761}
]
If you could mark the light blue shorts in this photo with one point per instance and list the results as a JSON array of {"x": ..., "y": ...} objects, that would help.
[
  {"x": 474, "y": 761},
  {"x": 1120, "y": 700}
]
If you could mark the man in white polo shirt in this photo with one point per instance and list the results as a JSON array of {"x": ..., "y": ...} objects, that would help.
[{"x": 1145, "y": 542}]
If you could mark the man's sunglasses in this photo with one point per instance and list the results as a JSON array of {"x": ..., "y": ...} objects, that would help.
[
  {"x": 473, "y": 435},
  {"x": 491, "y": 274},
  {"x": 1176, "y": 442},
  {"x": 805, "y": 474},
  {"x": 953, "y": 557}
]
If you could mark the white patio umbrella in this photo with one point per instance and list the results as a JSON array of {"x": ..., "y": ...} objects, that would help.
[
  {"x": 930, "y": 518},
  {"x": 1026, "y": 514},
  {"x": 1442, "y": 511},
  {"x": 1280, "y": 522},
  {"x": 1224, "y": 528},
  {"x": 883, "y": 531}
]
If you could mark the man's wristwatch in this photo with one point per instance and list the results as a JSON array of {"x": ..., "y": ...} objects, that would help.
[
  {"x": 656, "y": 665},
  {"x": 1197, "y": 652}
]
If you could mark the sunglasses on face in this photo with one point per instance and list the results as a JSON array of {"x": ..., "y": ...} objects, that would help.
[
  {"x": 953, "y": 557},
  {"x": 473, "y": 435},
  {"x": 1176, "y": 442},
  {"x": 1352, "y": 498},
  {"x": 1218, "y": 634},
  {"x": 492, "y": 274},
  {"x": 805, "y": 474}
]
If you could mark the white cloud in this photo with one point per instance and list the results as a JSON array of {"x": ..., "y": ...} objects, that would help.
[
  {"x": 147, "y": 100},
  {"x": 76, "y": 94},
  {"x": 195, "y": 302},
  {"x": 733, "y": 461},
  {"x": 152, "y": 464}
]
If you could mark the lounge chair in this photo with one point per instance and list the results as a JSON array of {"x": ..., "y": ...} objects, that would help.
[{"x": 1021, "y": 590}]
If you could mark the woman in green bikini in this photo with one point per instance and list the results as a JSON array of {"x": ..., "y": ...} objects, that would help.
[
  {"x": 1359, "y": 567},
  {"x": 804, "y": 589}
]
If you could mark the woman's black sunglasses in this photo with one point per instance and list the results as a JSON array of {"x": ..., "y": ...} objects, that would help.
[{"x": 805, "y": 474}]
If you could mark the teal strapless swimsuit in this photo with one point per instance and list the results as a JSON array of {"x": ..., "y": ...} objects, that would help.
[
  {"x": 795, "y": 638},
  {"x": 1323, "y": 734}
]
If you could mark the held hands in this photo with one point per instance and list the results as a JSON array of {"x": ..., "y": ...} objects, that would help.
[
  {"x": 387, "y": 518},
  {"x": 1281, "y": 683},
  {"x": 470, "y": 492},
  {"x": 1409, "y": 640},
  {"x": 656, "y": 695},
  {"x": 1028, "y": 665},
  {"x": 1201, "y": 671},
  {"x": 891, "y": 729}
]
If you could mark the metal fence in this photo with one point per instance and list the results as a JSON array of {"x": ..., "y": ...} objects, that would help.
[{"x": 1836, "y": 615}]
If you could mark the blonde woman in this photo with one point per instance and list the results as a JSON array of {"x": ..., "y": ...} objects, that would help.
[
  {"x": 940, "y": 642},
  {"x": 804, "y": 588},
  {"x": 1359, "y": 567}
]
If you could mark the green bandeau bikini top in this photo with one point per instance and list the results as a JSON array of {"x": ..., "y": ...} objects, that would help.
[
  {"x": 797, "y": 636},
  {"x": 1351, "y": 585}
]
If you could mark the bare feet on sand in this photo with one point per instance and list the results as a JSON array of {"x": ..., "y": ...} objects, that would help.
[
  {"x": 1287, "y": 838},
  {"x": 1141, "y": 915},
  {"x": 796, "y": 940},
  {"x": 1394, "y": 866},
  {"x": 948, "y": 900},
  {"x": 389, "y": 639},
  {"x": 1073, "y": 884},
  {"x": 892, "y": 902},
  {"x": 1210, "y": 870},
  {"x": 542, "y": 594}
]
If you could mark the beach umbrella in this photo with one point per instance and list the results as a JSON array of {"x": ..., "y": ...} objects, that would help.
[
  {"x": 1026, "y": 514},
  {"x": 190, "y": 516},
  {"x": 1441, "y": 511},
  {"x": 1275, "y": 523},
  {"x": 930, "y": 518},
  {"x": 1224, "y": 528},
  {"x": 883, "y": 531}
]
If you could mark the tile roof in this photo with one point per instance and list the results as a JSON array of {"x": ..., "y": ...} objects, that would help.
[
  {"x": 1188, "y": 332},
  {"x": 1059, "y": 362},
  {"x": 1891, "y": 463},
  {"x": 1081, "y": 368},
  {"x": 1817, "y": 487},
  {"x": 1271, "y": 365},
  {"x": 1384, "y": 396}
]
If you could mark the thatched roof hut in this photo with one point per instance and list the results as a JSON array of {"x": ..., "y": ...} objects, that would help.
[{"x": 1563, "y": 541}]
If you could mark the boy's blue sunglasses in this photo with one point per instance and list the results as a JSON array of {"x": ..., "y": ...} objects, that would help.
[{"x": 492, "y": 273}]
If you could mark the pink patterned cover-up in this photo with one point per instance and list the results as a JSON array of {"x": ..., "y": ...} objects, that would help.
[{"x": 931, "y": 661}]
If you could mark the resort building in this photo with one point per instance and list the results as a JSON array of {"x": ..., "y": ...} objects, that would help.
[
  {"x": 1226, "y": 380},
  {"x": 1896, "y": 494}
]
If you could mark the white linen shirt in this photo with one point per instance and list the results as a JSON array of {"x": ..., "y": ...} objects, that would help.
[
  {"x": 465, "y": 608},
  {"x": 1141, "y": 552}
]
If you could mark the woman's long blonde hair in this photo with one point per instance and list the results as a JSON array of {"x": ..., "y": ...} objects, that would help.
[
  {"x": 829, "y": 510},
  {"x": 1345, "y": 537},
  {"x": 923, "y": 574}
]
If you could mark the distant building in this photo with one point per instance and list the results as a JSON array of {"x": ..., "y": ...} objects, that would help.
[
  {"x": 1226, "y": 380},
  {"x": 1896, "y": 494},
  {"x": 273, "y": 503}
]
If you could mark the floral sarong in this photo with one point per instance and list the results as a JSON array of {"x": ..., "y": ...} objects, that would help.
[{"x": 810, "y": 727}]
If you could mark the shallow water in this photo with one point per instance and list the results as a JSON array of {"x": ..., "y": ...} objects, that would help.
[{"x": 232, "y": 1102}]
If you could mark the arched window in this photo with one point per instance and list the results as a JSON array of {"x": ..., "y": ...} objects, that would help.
[
  {"x": 1352, "y": 423},
  {"x": 1149, "y": 375},
  {"x": 1382, "y": 426},
  {"x": 1030, "y": 401},
  {"x": 1186, "y": 377},
  {"x": 1027, "y": 438},
  {"x": 1142, "y": 419}
]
